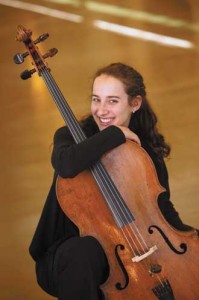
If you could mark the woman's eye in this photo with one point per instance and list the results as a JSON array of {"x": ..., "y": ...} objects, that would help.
[
  {"x": 95, "y": 99},
  {"x": 113, "y": 101}
]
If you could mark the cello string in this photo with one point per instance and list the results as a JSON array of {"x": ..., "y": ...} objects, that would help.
[
  {"x": 110, "y": 182},
  {"x": 59, "y": 99},
  {"x": 107, "y": 194},
  {"x": 115, "y": 196}
]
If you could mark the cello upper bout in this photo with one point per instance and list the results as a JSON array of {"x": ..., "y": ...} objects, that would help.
[{"x": 134, "y": 163}]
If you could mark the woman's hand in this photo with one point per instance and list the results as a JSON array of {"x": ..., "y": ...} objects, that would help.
[{"x": 130, "y": 134}]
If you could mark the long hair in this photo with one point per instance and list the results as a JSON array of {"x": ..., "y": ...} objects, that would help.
[{"x": 144, "y": 121}]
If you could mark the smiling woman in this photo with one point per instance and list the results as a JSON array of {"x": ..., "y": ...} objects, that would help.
[{"x": 119, "y": 112}]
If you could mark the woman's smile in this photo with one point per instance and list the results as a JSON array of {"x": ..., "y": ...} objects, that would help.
[{"x": 106, "y": 121}]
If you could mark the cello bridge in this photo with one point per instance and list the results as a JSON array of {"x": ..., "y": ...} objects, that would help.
[{"x": 138, "y": 258}]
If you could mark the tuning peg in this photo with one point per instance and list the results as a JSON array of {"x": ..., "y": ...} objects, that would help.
[
  {"x": 27, "y": 74},
  {"x": 19, "y": 58},
  {"x": 50, "y": 53},
  {"x": 41, "y": 38}
]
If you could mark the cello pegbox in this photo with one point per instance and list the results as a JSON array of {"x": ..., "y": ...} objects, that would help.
[{"x": 38, "y": 60}]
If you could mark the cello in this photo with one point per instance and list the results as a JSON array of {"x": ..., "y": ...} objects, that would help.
[{"x": 143, "y": 250}]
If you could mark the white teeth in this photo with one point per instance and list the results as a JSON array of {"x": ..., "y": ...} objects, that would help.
[{"x": 105, "y": 120}]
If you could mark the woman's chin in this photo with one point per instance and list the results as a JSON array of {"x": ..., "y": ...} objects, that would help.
[{"x": 102, "y": 126}]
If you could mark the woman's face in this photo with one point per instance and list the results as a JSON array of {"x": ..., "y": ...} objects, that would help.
[{"x": 110, "y": 104}]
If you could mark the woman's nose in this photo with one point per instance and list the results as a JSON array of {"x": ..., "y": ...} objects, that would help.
[{"x": 102, "y": 109}]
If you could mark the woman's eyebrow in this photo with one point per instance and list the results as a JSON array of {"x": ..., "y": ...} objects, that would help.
[
  {"x": 114, "y": 97},
  {"x": 111, "y": 96}
]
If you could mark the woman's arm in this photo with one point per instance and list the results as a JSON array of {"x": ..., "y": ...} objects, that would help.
[{"x": 69, "y": 159}]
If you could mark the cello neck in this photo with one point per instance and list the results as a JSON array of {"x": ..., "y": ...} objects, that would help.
[{"x": 63, "y": 106}]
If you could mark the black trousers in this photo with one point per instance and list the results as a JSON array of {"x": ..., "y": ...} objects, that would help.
[{"x": 75, "y": 271}]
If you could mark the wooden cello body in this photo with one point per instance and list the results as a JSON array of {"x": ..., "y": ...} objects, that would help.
[
  {"x": 135, "y": 177},
  {"x": 116, "y": 202}
]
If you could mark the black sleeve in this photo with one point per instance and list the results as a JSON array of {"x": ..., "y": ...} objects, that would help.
[
  {"x": 69, "y": 159},
  {"x": 165, "y": 205}
]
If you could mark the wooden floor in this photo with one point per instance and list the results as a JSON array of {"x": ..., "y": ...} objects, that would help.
[{"x": 29, "y": 117}]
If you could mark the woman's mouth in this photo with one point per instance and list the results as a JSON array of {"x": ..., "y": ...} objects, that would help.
[{"x": 105, "y": 121}]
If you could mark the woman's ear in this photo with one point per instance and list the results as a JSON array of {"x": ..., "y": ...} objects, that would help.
[{"x": 136, "y": 103}]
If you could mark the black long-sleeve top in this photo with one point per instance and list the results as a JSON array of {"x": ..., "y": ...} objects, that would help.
[{"x": 69, "y": 159}]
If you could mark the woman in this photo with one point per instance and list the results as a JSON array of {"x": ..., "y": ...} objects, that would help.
[{"x": 73, "y": 267}]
